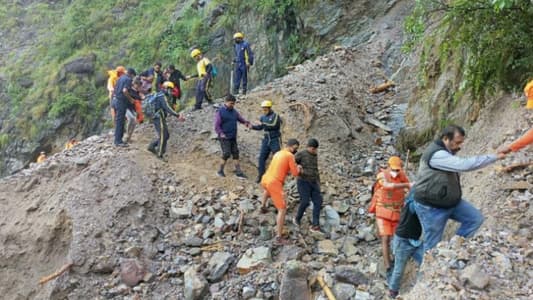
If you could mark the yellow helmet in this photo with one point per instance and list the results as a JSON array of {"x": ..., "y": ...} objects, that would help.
[
  {"x": 168, "y": 84},
  {"x": 195, "y": 53},
  {"x": 266, "y": 103},
  {"x": 238, "y": 35}
]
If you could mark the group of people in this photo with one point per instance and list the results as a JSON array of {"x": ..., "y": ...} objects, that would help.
[
  {"x": 68, "y": 145},
  {"x": 127, "y": 91},
  {"x": 416, "y": 222}
]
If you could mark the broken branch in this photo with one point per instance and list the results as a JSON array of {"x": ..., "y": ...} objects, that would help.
[
  {"x": 56, "y": 274},
  {"x": 382, "y": 87},
  {"x": 325, "y": 287},
  {"x": 241, "y": 220}
]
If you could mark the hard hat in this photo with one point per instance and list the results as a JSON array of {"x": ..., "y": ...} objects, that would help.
[
  {"x": 238, "y": 35},
  {"x": 195, "y": 53},
  {"x": 395, "y": 162},
  {"x": 120, "y": 69},
  {"x": 168, "y": 84},
  {"x": 266, "y": 103}
]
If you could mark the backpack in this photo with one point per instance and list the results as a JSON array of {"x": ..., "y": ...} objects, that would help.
[
  {"x": 149, "y": 104},
  {"x": 214, "y": 71}
]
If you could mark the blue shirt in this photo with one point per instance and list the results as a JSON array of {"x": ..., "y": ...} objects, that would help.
[
  {"x": 124, "y": 82},
  {"x": 243, "y": 53}
]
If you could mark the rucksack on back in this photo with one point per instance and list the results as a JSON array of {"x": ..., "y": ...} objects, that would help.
[
  {"x": 214, "y": 71},
  {"x": 149, "y": 104}
]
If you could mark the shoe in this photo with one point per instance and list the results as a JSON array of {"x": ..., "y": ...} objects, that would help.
[
  {"x": 281, "y": 241},
  {"x": 264, "y": 209},
  {"x": 314, "y": 228},
  {"x": 258, "y": 179},
  {"x": 220, "y": 173},
  {"x": 295, "y": 222},
  {"x": 240, "y": 174},
  {"x": 162, "y": 158},
  {"x": 152, "y": 150},
  {"x": 393, "y": 294},
  {"x": 122, "y": 145}
]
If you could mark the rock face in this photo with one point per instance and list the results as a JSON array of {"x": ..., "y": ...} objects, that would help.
[
  {"x": 294, "y": 283},
  {"x": 196, "y": 287}
]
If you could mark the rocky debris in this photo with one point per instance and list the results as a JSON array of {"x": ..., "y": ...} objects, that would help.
[
  {"x": 196, "y": 287},
  {"x": 254, "y": 258},
  {"x": 294, "y": 285},
  {"x": 344, "y": 291},
  {"x": 218, "y": 265}
]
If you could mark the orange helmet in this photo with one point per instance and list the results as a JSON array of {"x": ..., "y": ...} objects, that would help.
[{"x": 395, "y": 162}]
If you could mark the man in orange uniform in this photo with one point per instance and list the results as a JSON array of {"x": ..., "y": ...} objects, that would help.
[
  {"x": 282, "y": 163},
  {"x": 41, "y": 158},
  {"x": 528, "y": 91},
  {"x": 527, "y": 138},
  {"x": 387, "y": 202}
]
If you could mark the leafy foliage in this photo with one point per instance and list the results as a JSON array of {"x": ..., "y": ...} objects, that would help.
[{"x": 492, "y": 37}]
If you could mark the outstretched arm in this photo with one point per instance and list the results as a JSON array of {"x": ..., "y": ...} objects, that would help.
[{"x": 445, "y": 161}]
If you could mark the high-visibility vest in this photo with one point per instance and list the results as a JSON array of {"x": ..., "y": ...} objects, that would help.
[{"x": 389, "y": 201}]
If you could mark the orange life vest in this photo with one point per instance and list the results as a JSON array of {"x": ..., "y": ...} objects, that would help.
[{"x": 389, "y": 201}]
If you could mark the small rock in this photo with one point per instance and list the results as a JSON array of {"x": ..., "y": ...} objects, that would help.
[
  {"x": 327, "y": 247},
  {"x": 362, "y": 295},
  {"x": 193, "y": 241},
  {"x": 132, "y": 271},
  {"x": 254, "y": 258},
  {"x": 133, "y": 251},
  {"x": 180, "y": 212},
  {"x": 218, "y": 265},
  {"x": 332, "y": 217},
  {"x": 248, "y": 292},
  {"x": 341, "y": 206},
  {"x": 349, "y": 274},
  {"x": 290, "y": 252},
  {"x": 196, "y": 287},
  {"x": 474, "y": 275},
  {"x": 344, "y": 291}
]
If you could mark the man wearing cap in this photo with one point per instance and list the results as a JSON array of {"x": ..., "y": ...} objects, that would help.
[
  {"x": 42, "y": 157},
  {"x": 387, "y": 202},
  {"x": 204, "y": 68},
  {"x": 121, "y": 101},
  {"x": 308, "y": 184},
  {"x": 270, "y": 122},
  {"x": 244, "y": 58},
  {"x": 272, "y": 182}
]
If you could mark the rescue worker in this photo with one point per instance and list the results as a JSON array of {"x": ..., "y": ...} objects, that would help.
[
  {"x": 387, "y": 201},
  {"x": 272, "y": 182},
  {"x": 226, "y": 119},
  {"x": 244, "y": 58},
  {"x": 204, "y": 68},
  {"x": 308, "y": 184},
  {"x": 528, "y": 91},
  {"x": 70, "y": 144},
  {"x": 527, "y": 138},
  {"x": 175, "y": 76},
  {"x": 270, "y": 122},
  {"x": 162, "y": 110},
  {"x": 41, "y": 158},
  {"x": 405, "y": 244},
  {"x": 114, "y": 75},
  {"x": 121, "y": 101},
  {"x": 152, "y": 79},
  {"x": 438, "y": 193}
]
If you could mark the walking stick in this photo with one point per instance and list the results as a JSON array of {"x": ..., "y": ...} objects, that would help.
[
  {"x": 231, "y": 80},
  {"x": 407, "y": 161}
]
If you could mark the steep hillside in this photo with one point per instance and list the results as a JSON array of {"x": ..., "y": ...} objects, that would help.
[{"x": 55, "y": 54}]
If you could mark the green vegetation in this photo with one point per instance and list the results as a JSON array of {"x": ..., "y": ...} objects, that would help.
[{"x": 491, "y": 39}]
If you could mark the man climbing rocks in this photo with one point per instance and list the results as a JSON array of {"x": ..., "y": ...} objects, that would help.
[
  {"x": 121, "y": 102},
  {"x": 152, "y": 78},
  {"x": 174, "y": 76},
  {"x": 308, "y": 184},
  {"x": 387, "y": 201},
  {"x": 270, "y": 122},
  {"x": 272, "y": 182},
  {"x": 114, "y": 75},
  {"x": 162, "y": 110},
  {"x": 42, "y": 157},
  {"x": 244, "y": 58},
  {"x": 405, "y": 244},
  {"x": 438, "y": 194},
  {"x": 226, "y": 119},
  {"x": 204, "y": 68}
]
